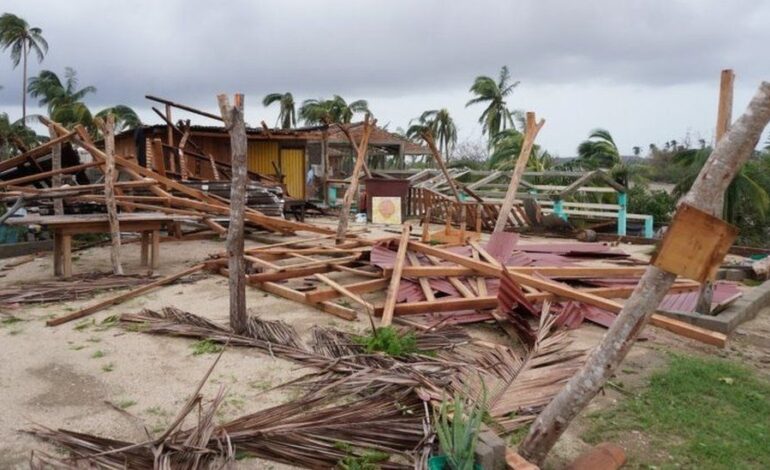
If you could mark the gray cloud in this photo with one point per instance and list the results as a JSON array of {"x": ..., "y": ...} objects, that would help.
[{"x": 397, "y": 52}]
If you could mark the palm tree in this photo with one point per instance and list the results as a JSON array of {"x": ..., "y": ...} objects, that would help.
[
  {"x": 16, "y": 34},
  {"x": 125, "y": 117},
  {"x": 496, "y": 117},
  {"x": 14, "y": 136},
  {"x": 746, "y": 196},
  {"x": 63, "y": 99},
  {"x": 599, "y": 151},
  {"x": 506, "y": 147},
  {"x": 322, "y": 111},
  {"x": 65, "y": 105},
  {"x": 440, "y": 125},
  {"x": 287, "y": 115}
]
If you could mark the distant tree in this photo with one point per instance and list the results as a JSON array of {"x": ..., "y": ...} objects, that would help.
[
  {"x": 63, "y": 99},
  {"x": 506, "y": 147},
  {"x": 496, "y": 117},
  {"x": 287, "y": 116},
  {"x": 440, "y": 124},
  {"x": 16, "y": 34},
  {"x": 747, "y": 195},
  {"x": 64, "y": 102},
  {"x": 599, "y": 151},
  {"x": 14, "y": 135},
  {"x": 637, "y": 150},
  {"x": 125, "y": 117},
  {"x": 322, "y": 111}
]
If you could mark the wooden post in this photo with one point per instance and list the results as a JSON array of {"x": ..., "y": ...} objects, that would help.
[
  {"x": 58, "y": 204},
  {"x": 395, "y": 278},
  {"x": 325, "y": 166},
  {"x": 107, "y": 126},
  {"x": 347, "y": 202},
  {"x": 730, "y": 153},
  {"x": 234, "y": 122},
  {"x": 724, "y": 117},
  {"x": 183, "y": 170},
  {"x": 521, "y": 164},
  {"x": 169, "y": 128},
  {"x": 428, "y": 138}
]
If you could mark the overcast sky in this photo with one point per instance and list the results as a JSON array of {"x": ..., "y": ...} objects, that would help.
[{"x": 648, "y": 71}]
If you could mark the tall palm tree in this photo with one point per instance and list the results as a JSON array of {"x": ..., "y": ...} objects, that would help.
[
  {"x": 599, "y": 151},
  {"x": 506, "y": 147},
  {"x": 440, "y": 125},
  {"x": 337, "y": 110},
  {"x": 287, "y": 116},
  {"x": 496, "y": 117},
  {"x": 16, "y": 34}
]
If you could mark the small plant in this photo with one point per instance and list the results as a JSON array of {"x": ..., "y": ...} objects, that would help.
[
  {"x": 123, "y": 404},
  {"x": 206, "y": 346},
  {"x": 85, "y": 324},
  {"x": 368, "y": 460},
  {"x": 10, "y": 320},
  {"x": 97, "y": 354},
  {"x": 108, "y": 367},
  {"x": 457, "y": 427},
  {"x": 390, "y": 341}
]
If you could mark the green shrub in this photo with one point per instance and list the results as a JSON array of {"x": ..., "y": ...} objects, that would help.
[{"x": 390, "y": 341}]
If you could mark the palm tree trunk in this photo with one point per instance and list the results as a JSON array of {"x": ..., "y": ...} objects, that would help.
[{"x": 24, "y": 87}]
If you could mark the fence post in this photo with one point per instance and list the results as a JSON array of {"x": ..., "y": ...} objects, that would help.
[{"x": 622, "y": 213}]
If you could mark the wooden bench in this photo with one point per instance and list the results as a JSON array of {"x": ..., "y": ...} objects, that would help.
[{"x": 64, "y": 227}]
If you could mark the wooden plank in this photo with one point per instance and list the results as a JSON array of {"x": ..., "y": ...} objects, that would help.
[
  {"x": 36, "y": 152},
  {"x": 321, "y": 295},
  {"x": 395, "y": 279},
  {"x": 427, "y": 290},
  {"x": 123, "y": 297},
  {"x": 44, "y": 175},
  {"x": 297, "y": 296},
  {"x": 345, "y": 291}
]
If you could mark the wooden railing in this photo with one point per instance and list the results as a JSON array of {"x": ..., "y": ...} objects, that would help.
[{"x": 422, "y": 201}]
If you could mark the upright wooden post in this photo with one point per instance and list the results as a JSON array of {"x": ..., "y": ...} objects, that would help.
[
  {"x": 325, "y": 165},
  {"x": 730, "y": 153},
  {"x": 428, "y": 138},
  {"x": 183, "y": 170},
  {"x": 724, "y": 118},
  {"x": 521, "y": 164},
  {"x": 234, "y": 122},
  {"x": 107, "y": 126},
  {"x": 347, "y": 202},
  {"x": 58, "y": 204}
]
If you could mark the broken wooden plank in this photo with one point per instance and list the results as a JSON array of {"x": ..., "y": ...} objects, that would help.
[{"x": 122, "y": 297}]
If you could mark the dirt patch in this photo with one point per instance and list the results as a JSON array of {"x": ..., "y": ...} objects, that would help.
[{"x": 65, "y": 387}]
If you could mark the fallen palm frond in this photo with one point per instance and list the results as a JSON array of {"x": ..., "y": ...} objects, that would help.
[
  {"x": 78, "y": 287},
  {"x": 308, "y": 432},
  {"x": 520, "y": 385}
]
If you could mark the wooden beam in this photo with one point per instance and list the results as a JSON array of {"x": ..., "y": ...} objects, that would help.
[
  {"x": 395, "y": 279},
  {"x": 321, "y": 295},
  {"x": 346, "y": 292},
  {"x": 107, "y": 128},
  {"x": 521, "y": 164},
  {"x": 35, "y": 153},
  {"x": 123, "y": 297},
  {"x": 44, "y": 175},
  {"x": 350, "y": 193},
  {"x": 427, "y": 136}
]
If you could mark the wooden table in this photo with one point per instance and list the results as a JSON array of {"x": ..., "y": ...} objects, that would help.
[{"x": 64, "y": 227}]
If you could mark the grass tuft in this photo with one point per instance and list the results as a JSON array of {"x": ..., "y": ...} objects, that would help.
[
  {"x": 704, "y": 413},
  {"x": 388, "y": 340},
  {"x": 108, "y": 367},
  {"x": 206, "y": 346}
]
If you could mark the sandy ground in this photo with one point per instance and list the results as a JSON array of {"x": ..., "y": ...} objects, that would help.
[{"x": 51, "y": 376}]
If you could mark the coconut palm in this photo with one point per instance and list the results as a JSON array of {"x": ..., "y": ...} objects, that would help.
[
  {"x": 440, "y": 125},
  {"x": 496, "y": 117},
  {"x": 62, "y": 98},
  {"x": 337, "y": 110},
  {"x": 599, "y": 151},
  {"x": 65, "y": 105},
  {"x": 16, "y": 34},
  {"x": 287, "y": 117}
]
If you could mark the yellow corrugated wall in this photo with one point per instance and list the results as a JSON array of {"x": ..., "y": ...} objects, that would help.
[
  {"x": 293, "y": 169},
  {"x": 261, "y": 156}
]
